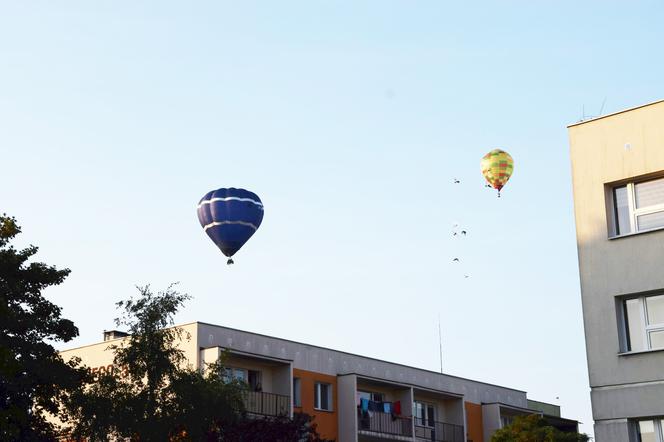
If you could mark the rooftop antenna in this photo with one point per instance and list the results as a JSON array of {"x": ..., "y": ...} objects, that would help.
[
  {"x": 440, "y": 345},
  {"x": 602, "y": 108}
]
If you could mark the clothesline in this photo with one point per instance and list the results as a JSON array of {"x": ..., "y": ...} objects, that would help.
[{"x": 382, "y": 407}]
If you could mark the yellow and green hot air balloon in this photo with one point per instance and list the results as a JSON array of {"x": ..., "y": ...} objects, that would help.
[{"x": 497, "y": 167}]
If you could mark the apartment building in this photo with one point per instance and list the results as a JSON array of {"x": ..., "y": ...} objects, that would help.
[
  {"x": 618, "y": 181},
  {"x": 353, "y": 398}
]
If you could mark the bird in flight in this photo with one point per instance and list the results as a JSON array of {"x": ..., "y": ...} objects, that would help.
[
  {"x": 455, "y": 260},
  {"x": 456, "y": 181}
]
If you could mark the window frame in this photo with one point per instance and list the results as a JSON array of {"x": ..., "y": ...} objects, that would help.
[
  {"x": 506, "y": 420},
  {"x": 634, "y": 212},
  {"x": 318, "y": 396},
  {"x": 658, "y": 425},
  {"x": 232, "y": 377},
  {"x": 373, "y": 396},
  {"x": 426, "y": 420},
  {"x": 626, "y": 345},
  {"x": 297, "y": 392}
]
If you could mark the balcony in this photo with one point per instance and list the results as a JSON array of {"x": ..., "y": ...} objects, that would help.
[
  {"x": 375, "y": 423},
  {"x": 438, "y": 431},
  {"x": 266, "y": 404}
]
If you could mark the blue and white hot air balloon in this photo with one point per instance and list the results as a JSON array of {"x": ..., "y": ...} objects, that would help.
[{"x": 229, "y": 217}]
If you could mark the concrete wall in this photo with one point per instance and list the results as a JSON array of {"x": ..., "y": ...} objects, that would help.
[
  {"x": 406, "y": 398},
  {"x": 347, "y": 414},
  {"x": 448, "y": 410},
  {"x": 390, "y": 393},
  {"x": 614, "y": 431},
  {"x": 282, "y": 380},
  {"x": 490, "y": 419},
  {"x": 332, "y": 362},
  {"x": 550, "y": 409},
  {"x": 617, "y": 147}
]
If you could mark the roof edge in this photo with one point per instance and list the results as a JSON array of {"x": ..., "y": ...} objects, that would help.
[
  {"x": 578, "y": 123},
  {"x": 366, "y": 357}
]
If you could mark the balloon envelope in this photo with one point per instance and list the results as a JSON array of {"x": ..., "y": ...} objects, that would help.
[
  {"x": 230, "y": 217},
  {"x": 497, "y": 167}
]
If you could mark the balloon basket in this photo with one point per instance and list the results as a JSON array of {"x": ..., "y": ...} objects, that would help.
[{"x": 230, "y": 261}]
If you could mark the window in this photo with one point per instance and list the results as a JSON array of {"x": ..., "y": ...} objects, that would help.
[
  {"x": 637, "y": 207},
  {"x": 235, "y": 374},
  {"x": 650, "y": 430},
  {"x": 297, "y": 395},
  {"x": 250, "y": 377},
  {"x": 643, "y": 323},
  {"x": 254, "y": 380},
  {"x": 322, "y": 396},
  {"x": 376, "y": 397},
  {"x": 506, "y": 420},
  {"x": 424, "y": 414}
]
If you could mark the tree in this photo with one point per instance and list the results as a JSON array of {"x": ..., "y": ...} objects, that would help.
[
  {"x": 154, "y": 395},
  {"x": 534, "y": 428},
  {"x": 204, "y": 405},
  {"x": 300, "y": 428},
  {"x": 33, "y": 377}
]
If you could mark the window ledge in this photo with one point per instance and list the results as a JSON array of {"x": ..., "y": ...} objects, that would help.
[
  {"x": 627, "y": 235},
  {"x": 639, "y": 352},
  {"x": 321, "y": 409}
]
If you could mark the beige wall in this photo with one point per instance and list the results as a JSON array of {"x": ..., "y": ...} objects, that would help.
[
  {"x": 100, "y": 356},
  {"x": 618, "y": 147}
]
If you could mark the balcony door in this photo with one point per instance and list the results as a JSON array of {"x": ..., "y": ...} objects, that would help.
[
  {"x": 425, "y": 414},
  {"x": 250, "y": 377}
]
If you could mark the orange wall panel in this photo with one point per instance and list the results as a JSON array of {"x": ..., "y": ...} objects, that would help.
[
  {"x": 474, "y": 427},
  {"x": 326, "y": 421}
]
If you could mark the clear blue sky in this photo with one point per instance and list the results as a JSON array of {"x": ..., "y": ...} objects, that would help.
[{"x": 350, "y": 120}]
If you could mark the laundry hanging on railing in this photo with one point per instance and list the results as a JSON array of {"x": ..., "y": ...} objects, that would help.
[{"x": 393, "y": 408}]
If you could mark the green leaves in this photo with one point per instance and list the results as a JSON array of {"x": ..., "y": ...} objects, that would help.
[
  {"x": 534, "y": 428},
  {"x": 33, "y": 377},
  {"x": 140, "y": 402}
]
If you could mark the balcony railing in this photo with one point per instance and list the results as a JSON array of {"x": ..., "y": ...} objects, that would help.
[
  {"x": 384, "y": 423},
  {"x": 438, "y": 431},
  {"x": 266, "y": 404}
]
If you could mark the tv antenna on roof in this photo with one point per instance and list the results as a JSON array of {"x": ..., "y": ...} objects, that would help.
[
  {"x": 585, "y": 117},
  {"x": 440, "y": 344},
  {"x": 602, "y": 108}
]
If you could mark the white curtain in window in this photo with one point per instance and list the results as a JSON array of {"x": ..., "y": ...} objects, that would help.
[
  {"x": 650, "y": 221},
  {"x": 649, "y": 193}
]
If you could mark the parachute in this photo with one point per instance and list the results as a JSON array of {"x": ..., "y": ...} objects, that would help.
[{"x": 230, "y": 217}]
